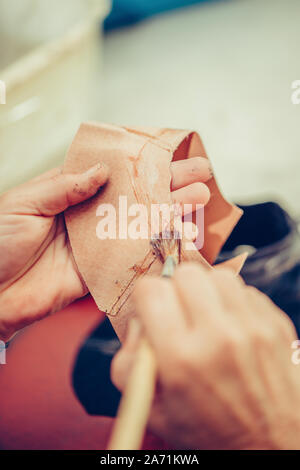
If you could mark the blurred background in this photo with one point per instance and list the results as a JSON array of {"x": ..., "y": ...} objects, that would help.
[{"x": 224, "y": 68}]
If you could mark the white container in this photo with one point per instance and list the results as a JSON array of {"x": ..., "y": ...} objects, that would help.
[{"x": 52, "y": 86}]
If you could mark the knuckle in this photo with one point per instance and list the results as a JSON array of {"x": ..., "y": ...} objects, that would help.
[
  {"x": 231, "y": 344},
  {"x": 182, "y": 363},
  {"x": 234, "y": 340},
  {"x": 224, "y": 276},
  {"x": 6, "y": 200},
  {"x": 264, "y": 338},
  {"x": 61, "y": 177}
]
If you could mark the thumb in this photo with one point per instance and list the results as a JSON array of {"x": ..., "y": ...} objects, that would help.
[{"x": 50, "y": 195}]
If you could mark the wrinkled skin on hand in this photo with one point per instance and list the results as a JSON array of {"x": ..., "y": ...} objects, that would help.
[
  {"x": 38, "y": 274},
  {"x": 226, "y": 379}
]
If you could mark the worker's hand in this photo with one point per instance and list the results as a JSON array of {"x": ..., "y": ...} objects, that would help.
[
  {"x": 38, "y": 275},
  {"x": 226, "y": 379}
]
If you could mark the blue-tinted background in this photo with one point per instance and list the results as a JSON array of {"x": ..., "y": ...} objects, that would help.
[{"x": 125, "y": 12}]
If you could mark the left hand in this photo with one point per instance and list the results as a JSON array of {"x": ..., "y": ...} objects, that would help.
[{"x": 38, "y": 274}]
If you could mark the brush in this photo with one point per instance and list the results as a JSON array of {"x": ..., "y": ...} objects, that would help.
[{"x": 136, "y": 402}]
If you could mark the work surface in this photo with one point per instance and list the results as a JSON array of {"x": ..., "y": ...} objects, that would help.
[{"x": 226, "y": 69}]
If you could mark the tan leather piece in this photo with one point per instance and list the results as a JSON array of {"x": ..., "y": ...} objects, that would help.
[{"x": 139, "y": 160}]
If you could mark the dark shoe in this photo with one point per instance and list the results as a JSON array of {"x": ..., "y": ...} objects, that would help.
[
  {"x": 91, "y": 375},
  {"x": 273, "y": 267}
]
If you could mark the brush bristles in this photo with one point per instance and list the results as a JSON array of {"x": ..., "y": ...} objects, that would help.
[{"x": 167, "y": 244}]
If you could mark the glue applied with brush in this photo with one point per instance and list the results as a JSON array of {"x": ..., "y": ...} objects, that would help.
[{"x": 168, "y": 247}]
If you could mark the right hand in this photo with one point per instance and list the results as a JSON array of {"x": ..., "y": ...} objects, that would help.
[{"x": 225, "y": 375}]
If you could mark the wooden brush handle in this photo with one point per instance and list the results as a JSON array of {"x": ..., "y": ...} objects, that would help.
[{"x": 135, "y": 406}]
